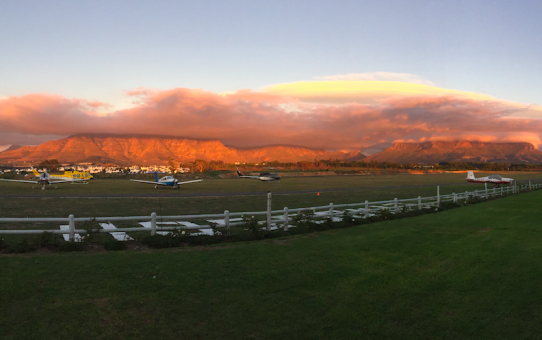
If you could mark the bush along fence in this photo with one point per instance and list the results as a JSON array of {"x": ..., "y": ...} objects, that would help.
[{"x": 317, "y": 218}]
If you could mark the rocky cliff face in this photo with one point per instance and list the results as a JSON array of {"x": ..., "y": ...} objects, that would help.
[
  {"x": 460, "y": 151},
  {"x": 144, "y": 150}
]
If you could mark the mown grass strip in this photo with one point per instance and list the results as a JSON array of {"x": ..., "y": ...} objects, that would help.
[{"x": 473, "y": 272}]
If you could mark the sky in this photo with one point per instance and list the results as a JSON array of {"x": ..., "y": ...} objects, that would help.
[{"x": 334, "y": 75}]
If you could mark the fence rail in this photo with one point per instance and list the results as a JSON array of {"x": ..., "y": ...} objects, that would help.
[{"x": 275, "y": 219}]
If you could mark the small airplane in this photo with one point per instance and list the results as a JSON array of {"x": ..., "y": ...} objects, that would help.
[
  {"x": 73, "y": 176},
  {"x": 169, "y": 181},
  {"x": 43, "y": 180},
  {"x": 264, "y": 176},
  {"x": 496, "y": 180}
]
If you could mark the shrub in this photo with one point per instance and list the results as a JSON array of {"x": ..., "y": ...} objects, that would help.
[
  {"x": 305, "y": 218},
  {"x": 159, "y": 241},
  {"x": 92, "y": 231},
  {"x": 250, "y": 224},
  {"x": 384, "y": 214},
  {"x": 46, "y": 240},
  {"x": 24, "y": 246}
]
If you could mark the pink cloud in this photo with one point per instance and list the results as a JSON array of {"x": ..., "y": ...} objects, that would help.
[{"x": 247, "y": 118}]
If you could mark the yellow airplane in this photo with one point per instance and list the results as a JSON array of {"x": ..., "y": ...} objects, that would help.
[{"x": 75, "y": 176}]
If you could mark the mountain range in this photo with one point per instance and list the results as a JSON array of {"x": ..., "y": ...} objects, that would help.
[
  {"x": 149, "y": 150},
  {"x": 458, "y": 151}
]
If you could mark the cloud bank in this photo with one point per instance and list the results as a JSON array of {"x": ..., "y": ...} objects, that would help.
[
  {"x": 337, "y": 116},
  {"x": 378, "y": 76}
]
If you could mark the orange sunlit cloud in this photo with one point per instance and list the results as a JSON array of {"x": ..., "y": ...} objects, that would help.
[{"x": 331, "y": 115}]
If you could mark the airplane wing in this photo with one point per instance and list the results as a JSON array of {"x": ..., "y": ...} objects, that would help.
[
  {"x": 198, "y": 180},
  {"x": 148, "y": 182},
  {"x": 68, "y": 181},
  {"x": 18, "y": 180}
]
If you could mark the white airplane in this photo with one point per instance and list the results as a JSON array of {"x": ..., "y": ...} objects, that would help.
[
  {"x": 43, "y": 180},
  {"x": 264, "y": 176},
  {"x": 169, "y": 181},
  {"x": 496, "y": 180}
]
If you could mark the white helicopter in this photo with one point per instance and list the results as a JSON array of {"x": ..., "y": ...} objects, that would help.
[{"x": 264, "y": 176}]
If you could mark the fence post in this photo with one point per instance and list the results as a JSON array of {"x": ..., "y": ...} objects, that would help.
[
  {"x": 419, "y": 202},
  {"x": 286, "y": 221},
  {"x": 72, "y": 228},
  {"x": 530, "y": 185},
  {"x": 268, "y": 227},
  {"x": 438, "y": 196},
  {"x": 331, "y": 211},
  {"x": 501, "y": 191},
  {"x": 227, "y": 219},
  {"x": 494, "y": 192},
  {"x": 153, "y": 224},
  {"x": 455, "y": 197},
  {"x": 367, "y": 209},
  {"x": 486, "y": 188}
]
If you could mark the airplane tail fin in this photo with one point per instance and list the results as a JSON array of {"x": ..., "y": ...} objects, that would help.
[
  {"x": 239, "y": 172},
  {"x": 470, "y": 175},
  {"x": 34, "y": 171},
  {"x": 156, "y": 176}
]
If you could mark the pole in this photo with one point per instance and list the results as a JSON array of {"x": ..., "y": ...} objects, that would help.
[
  {"x": 438, "y": 196},
  {"x": 486, "y": 189},
  {"x": 153, "y": 224},
  {"x": 227, "y": 220},
  {"x": 331, "y": 211},
  {"x": 268, "y": 227},
  {"x": 419, "y": 202},
  {"x": 286, "y": 221},
  {"x": 367, "y": 209},
  {"x": 72, "y": 228}
]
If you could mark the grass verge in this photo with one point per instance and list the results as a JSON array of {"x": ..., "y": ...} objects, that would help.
[{"x": 473, "y": 272}]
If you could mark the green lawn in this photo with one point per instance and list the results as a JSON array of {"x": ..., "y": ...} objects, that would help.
[{"x": 468, "y": 273}]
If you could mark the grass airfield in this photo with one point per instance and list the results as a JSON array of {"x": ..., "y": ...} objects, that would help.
[
  {"x": 468, "y": 273},
  {"x": 238, "y": 185},
  {"x": 205, "y": 197}
]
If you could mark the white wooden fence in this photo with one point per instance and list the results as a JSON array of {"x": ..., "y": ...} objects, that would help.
[{"x": 275, "y": 219}]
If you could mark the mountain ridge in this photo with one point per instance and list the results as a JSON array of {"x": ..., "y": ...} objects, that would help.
[
  {"x": 458, "y": 151},
  {"x": 148, "y": 150}
]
